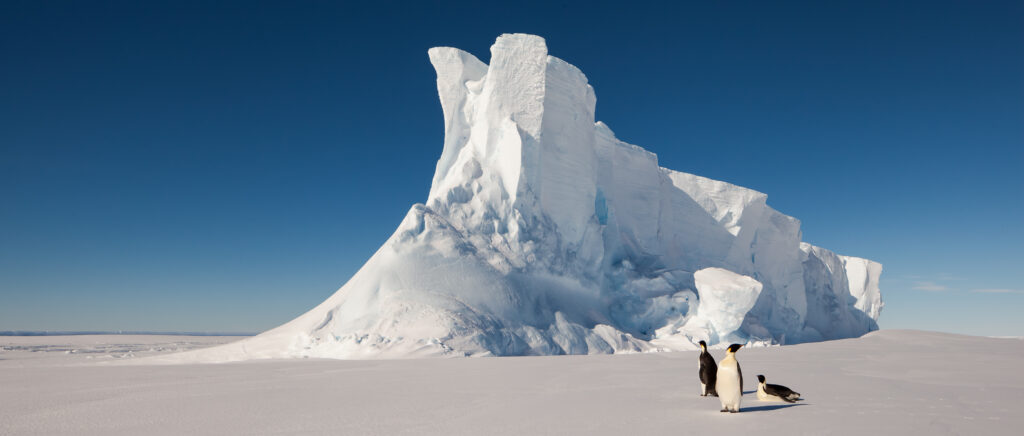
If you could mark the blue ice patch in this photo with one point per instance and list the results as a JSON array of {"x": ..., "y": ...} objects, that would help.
[{"x": 601, "y": 208}]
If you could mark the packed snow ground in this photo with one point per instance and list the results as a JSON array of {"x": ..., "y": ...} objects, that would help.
[
  {"x": 71, "y": 349},
  {"x": 887, "y": 382}
]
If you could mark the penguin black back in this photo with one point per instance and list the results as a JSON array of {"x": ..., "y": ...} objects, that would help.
[{"x": 707, "y": 370}]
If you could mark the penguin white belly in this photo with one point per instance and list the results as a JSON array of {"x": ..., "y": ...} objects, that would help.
[
  {"x": 728, "y": 387},
  {"x": 764, "y": 396}
]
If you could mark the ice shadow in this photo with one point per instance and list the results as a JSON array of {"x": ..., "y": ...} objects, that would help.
[{"x": 768, "y": 407}]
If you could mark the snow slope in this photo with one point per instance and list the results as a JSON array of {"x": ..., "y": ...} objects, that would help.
[
  {"x": 885, "y": 383},
  {"x": 545, "y": 234}
]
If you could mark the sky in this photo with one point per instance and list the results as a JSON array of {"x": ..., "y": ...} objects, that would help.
[{"x": 186, "y": 166}]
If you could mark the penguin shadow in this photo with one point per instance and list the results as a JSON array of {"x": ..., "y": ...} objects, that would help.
[{"x": 769, "y": 407}]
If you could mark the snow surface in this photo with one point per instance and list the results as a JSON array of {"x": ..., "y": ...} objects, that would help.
[
  {"x": 77, "y": 349},
  {"x": 887, "y": 382},
  {"x": 545, "y": 234}
]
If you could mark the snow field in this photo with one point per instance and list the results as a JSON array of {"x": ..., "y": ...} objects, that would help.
[{"x": 887, "y": 383}]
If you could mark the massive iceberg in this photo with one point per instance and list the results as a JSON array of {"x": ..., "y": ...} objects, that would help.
[{"x": 543, "y": 233}]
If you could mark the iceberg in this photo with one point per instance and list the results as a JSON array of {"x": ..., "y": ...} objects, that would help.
[{"x": 543, "y": 233}]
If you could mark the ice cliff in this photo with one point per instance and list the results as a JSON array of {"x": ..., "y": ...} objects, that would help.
[{"x": 543, "y": 233}]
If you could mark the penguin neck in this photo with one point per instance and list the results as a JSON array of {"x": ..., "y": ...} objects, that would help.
[{"x": 729, "y": 357}]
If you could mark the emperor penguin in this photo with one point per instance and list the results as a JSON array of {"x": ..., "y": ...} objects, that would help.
[
  {"x": 707, "y": 370},
  {"x": 729, "y": 381},
  {"x": 767, "y": 392}
]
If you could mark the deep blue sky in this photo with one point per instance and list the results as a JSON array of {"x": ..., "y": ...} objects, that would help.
[{"x": 193, "y": 167}]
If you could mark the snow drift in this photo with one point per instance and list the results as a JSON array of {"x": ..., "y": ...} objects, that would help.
[{"x": 545, "y": 234}]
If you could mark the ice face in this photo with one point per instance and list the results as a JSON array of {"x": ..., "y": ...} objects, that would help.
[
  {"x": 725, "y": 299},
  {"x": 842, "y": 293},
  {"x": 543, "y": 233}
]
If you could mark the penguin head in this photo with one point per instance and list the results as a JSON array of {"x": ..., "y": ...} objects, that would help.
[
  {"x": 760, "y": 378},
  {"x": 703, "y": 345},
  {"x": 734, "y": 348}
]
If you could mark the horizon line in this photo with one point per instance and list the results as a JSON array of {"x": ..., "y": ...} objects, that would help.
[{"x": 116, "y": 332}]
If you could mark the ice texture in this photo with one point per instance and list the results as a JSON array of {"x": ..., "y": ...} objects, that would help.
[
  {"x": 725, "y": 299},
  {"x": 543, "y": 233}
]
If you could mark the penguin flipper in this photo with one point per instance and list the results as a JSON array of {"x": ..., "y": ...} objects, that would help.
[
  {"x": 740, "y": 370},
  {"x": 786, "y": 394}
]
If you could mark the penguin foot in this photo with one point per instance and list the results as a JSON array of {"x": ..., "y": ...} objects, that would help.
[
  {"x": 724, "y": 410},
  {"x": 734, "y": 411}
]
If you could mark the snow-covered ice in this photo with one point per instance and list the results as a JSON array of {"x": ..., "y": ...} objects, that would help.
[
  {"x": 887, "y": 382},
  {"x": 543, "y": 233}
]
